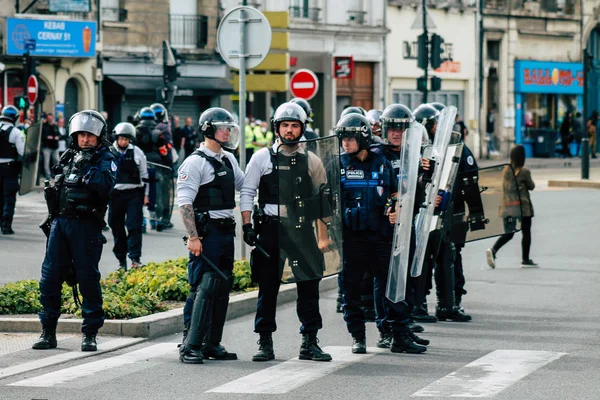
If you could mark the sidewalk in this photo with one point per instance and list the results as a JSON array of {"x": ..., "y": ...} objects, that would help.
[{"x": 538, "y": 163}]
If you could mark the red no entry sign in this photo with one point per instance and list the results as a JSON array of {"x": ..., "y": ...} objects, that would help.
[
  {"x": 32, "y": 89},
  {"x": 304, "y": 84}
]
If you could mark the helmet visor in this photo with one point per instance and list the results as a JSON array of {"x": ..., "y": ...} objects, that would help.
[
  {"x": 86, "y": 123},
  {"x": 227, "y": 134}
]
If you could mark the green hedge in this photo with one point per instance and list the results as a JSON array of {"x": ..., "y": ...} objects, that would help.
[{"x": 130, "y": 294}]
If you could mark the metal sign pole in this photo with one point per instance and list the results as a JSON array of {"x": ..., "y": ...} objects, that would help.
[{"x": 242, "y": 100}]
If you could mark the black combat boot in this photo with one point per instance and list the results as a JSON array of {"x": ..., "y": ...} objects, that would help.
[
  {"x": 415, "y": 328},
  {"x": 421, "y": 314},
  {"x": 310, "y": 349},
  {"x": 7, "y": 226},
  {"x": 418, "y": 340},
  {"x": 123, "y": 264},
  {"x": 190, "y": 355},
  {"x": 88, "y": 342},
  {"x": 46, "y": 341},
  {"x": 265, "y": 348},
  {"x": 385, "y": 340},
  {"x": 454, "y": 314},
  {"x": 359, "y": 345},
  {"x": 402, "y": 342}
]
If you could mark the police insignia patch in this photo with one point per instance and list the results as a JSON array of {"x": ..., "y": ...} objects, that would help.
[
  {"x": 374, "y": 175},
  {"x": 113, "y": 166},
  {"x": 380, "y": 190},
  {"x": 183, "y": 176},
  {"x": 470, "y": 160}
]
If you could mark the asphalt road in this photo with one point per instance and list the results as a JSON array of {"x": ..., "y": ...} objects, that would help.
[{"x": 534, "y": 335}]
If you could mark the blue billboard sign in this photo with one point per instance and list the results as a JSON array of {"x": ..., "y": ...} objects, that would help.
[
  {"x": 53, "y": 38},
  {"x": 548, "y": 77},
  {"x": 69, "y": 5}
]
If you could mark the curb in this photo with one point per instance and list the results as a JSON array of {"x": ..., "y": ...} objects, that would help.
[
  {"x": 585, "y": 184},
  {"x": 163, "y": 323}
]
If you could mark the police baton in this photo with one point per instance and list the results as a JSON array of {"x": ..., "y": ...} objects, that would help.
[
  {"x": 259, "y": 248},
  {"x": 213, "y": 266}
]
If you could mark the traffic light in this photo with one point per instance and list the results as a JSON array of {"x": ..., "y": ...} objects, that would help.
[
  {"x": 21, "y": 102},
  {"x": 422, "y": 84},
  {"x": 422, "y": 51},
  {"x": 436, "y": 84},
  {"x": 436, "y": 51}
]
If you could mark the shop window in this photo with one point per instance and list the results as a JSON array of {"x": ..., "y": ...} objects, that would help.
[{"x": 493, "y": 50}]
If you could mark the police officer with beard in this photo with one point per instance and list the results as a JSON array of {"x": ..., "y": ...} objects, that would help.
[
  {"x": 83, "y": 179},
  {"x": 368, "y": 184},
  {"x": 206, "y": 185},
  {"x": 262, "y": 174},
  {"x": 309, "y": 133},
  {"x": 128, "y": 197},
  {"x": 12, "y": 146}
]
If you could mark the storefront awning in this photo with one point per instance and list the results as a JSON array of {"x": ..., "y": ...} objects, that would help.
[{"x": 144, "y": 84}]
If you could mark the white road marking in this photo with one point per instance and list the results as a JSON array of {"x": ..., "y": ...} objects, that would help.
[
  {"x": 303, "y": 85},
  {"x": 294, "y": 373},
  {"x": 490, "y": 374},
  {"x": 81, "y": 371},
  {"x": 63, "y": 357}
]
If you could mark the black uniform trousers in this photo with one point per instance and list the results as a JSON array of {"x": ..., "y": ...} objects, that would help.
[
  {"x": 368, "y": 250},
  {"x": 9, "y": 186},
  {"x": 75, "y": 243},
  {"x": 218, "y": 247},
  {"x": 126, "y": 211},
  {"x": 267, "y": 272}
]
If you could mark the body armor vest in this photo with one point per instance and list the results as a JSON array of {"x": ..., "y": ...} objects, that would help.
[
  {"x": 365, "y": 187},
  {"x": 144, "y": 138},
  {"x": 288, "y": 182},
  {"x": 220, "y": 193},
  {"x": 7, "y": 149},
  {"x": 128, "y": 171},
  {"x": 74, "y": 198}
]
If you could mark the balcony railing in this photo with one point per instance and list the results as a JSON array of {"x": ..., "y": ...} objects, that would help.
[
  {"x": 311, "y": 13},
  {"x": 534, "y": 7},
  {"x": 114, "y": 14},
  {"x": 188, "y": 31}
]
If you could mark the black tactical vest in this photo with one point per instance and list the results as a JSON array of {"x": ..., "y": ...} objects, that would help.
[
  {"x": 143, "y": 136},
  {"x": 128, "y": 171},
  {"x": 7, "y": 149},
  {"x": 220, "y": 193},
  {"x": 74, "y": 198},
  {"x": 288, "y": 182}
]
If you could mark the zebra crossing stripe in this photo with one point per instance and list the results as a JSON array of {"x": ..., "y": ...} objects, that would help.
[
  {"x": 67, "y": 356},
  {"x": 489, "y": 375},
  {"x": 292, "y": 374},
  {"x": 80, "y": 371}
]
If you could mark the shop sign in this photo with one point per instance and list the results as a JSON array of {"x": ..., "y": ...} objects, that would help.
[
  {"x": 69, "y": 6},
  {"x": 343, "y": 67},
  {"x": 53, "y": 38},
  {"x": 548, "y": 77}
]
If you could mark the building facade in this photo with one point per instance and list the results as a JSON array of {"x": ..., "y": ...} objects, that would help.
[
  {"x": 132, "y": 35},
  {"x": 311, "y": 34},
  {"x": 64, "y": 44}
]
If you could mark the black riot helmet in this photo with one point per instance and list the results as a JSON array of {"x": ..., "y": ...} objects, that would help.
[
  {"x": 218, "y": 124},
  {"x": 90, "y": 121},
  {"x": 355, "y": 126},
  {"x": 147, "y": 114},
  {"x": 396, "y": 117},
  {"x": 353, "y": 110},
  {"x": 437, "y": 106},
  {"x": 305, "y": 106},
  {"x": 9, "y": 114},
  {"x": 160, "y": 112},
  {"x": 124, "y": 129},
  {"x": 427, "y": 116},
  {"x": 374, "y": 118},
  {"x": 289, "y": 112}
]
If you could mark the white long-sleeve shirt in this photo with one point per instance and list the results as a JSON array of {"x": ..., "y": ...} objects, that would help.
[
  {"x": 197, "y": 171},
  {"x": 140, "y": 159}
]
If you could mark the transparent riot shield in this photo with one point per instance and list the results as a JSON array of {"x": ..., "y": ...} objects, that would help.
[
  {"x": 31, "y": 158},
  {"x": 446, "y": 186},
  {"x": 424, "y": 218},
  {"x": 407, "y": 187},
  {"x": 162, "y": 192},
  {"x": 492, "y": 199},
  {"x": 310, "y": 217}
]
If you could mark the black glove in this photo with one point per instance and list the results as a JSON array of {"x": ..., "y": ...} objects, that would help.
[
  {"x": 249, "y": 234},
  {"x": 428, "y": 174}
]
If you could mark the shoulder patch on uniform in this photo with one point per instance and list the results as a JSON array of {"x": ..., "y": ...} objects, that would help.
[
  {"x": 113, "y": 166},
  {"x": 470, "y": 160},
  {"x": 183, "y": 176}
]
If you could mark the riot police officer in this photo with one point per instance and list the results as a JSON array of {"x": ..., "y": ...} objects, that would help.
[
  {"x": 144, "y": 137},
  {"x": 84, "y": 179},
  {"x": 206, "y": 185},
  {"x": 353, "y": 110},
  {"x": 427, "y": 116},
  {"x": 289, "y": 157},
  {"x": 368, "y": 184},
  {"x": 12, "y": 146},
  {"x": 128, "y": 196}
]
